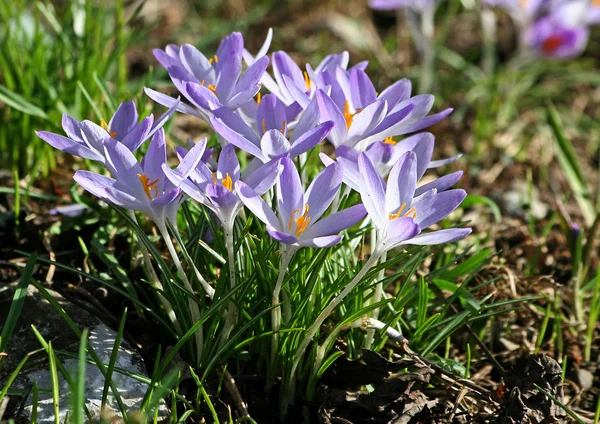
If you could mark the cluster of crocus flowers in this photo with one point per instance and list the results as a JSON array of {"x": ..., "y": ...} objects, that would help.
[
  {"x": 278, "y": 130},
  {"x": 552, "y": 28}
]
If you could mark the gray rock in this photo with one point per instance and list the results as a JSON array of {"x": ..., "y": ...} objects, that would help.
[
  {"x": 515, "y": 201},
  {"x": 131, "y": 391},
  {"x": 585, "y": 379}
]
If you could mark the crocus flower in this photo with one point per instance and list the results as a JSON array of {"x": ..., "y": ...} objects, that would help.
[
  {"x": 398, "y": 214},
  {"x": 362, "y": 116},
  {"x": 563, "y": 33},
  {"x": 216, "y": 190},
  {"x": 270, "y": 139},
  {"x": 209, "y": 83},
  {"x": 384, "y": 155},
  {"x": 298, "y": 222},
  {"x": 521, "y": 11},
  {"x": 85, "y": 139},
  {"x": 140, "y": 187}
]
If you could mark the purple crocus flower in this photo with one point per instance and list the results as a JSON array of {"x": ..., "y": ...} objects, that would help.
[
  {"x": 398, "y": 213},
  {"x": 140, "y": 187},
  {"x": 85, "y": 139},
  {"x": 209, "y": 83},
  {"x": 362, "y": 116},
  {"x": 384, "y": 155},
  {"x": 270, "y": 139},
  {"x": 561, "y": 34},
  {"x": 521, "y": 11},
  {"x": 216, "y": 190},
  {"x": 298, "y": 222}
]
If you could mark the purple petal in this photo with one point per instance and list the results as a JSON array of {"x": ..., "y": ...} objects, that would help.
[
  {"x": 123, "y": 165},
  {"x": 399, "y": 230},
  {"x": 274, "y": 144},
  {"x": 290, "y": 196},
  {"x": 281, "y": 237},
  {"x": 330, "y": 112},
  {"x": 323, "y": 190},
  {"x": 443, "y": 162},
  {"x": 236, "y": 139},
  {"x": 160, "y": 122},
  {"x": 438, "y": 207},
  {"x": 165, "y": 59},
  {"x": 428, "y": 121},
  {"x": 135, "y": 138},
  {"x": 310, "y": 117},
  {"x": 257, "y": 205},
  {"x": 310, "y": 139},
  {"x": 126, "y": 200},
  {"x": 228, "y": 164},
  {"x": 263, "y": 178},
  {"x": 252, "y": 75},
  {"x": 397, "y": 92},
  {"x": 235, "y": 123},
  {"x": 270, "y": 114},
  {"x": 196, "y": 63},
  {"x": 424, "y": 150},
  {"x": 229, "y": 65},
  {"x": 401, "y": 183},
  {"x": 69, "y": 210},
  {"x": 70, "y": 146},
  {"x": 94, "y": 183},
  {"x": 192, "y": 158},
  {"x": 169, "y": 102},
  {"x": 321, "y": 242},
  {"x": 441, "y": 184},
  {"x": 93, "y": 134},
  {"x": 124, "y": 119},
  {"x": 155, "y": 157},
  {"x": 284, "y": 65},
  {"x": 165, "y": 198},
  {"x": 71, "y": 127},
  {"x": 202, "y": 96},
  {"x": 372, "y": 191},
  {"x": 439, "y": 237},
  {"x": 363, "y": 91},
  {"x": 336, "y": 222},
  {"x": 366, "y": 121}
]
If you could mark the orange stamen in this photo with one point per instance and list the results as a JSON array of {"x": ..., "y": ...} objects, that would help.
[
  {"x": 302, "y": 221},
  {"x": 307, "y": 81},
  {"x": 104, "y": 125},
  {"x": 149, "y": 185},
  {"x": 258, "y": 98},
  {"x": 283, "y": 125},
  {"x": 262, "y": 125},
  {"x": 214, "y": 176},
  {"x": 227, "y": 182},
  {"x": 215, "y": 59},
  {"x": 211, "y": 87},
  {"x": 390, "y": 140},
  {"x": 412, "y": 212},
  {"x": 347, "y": 115}
]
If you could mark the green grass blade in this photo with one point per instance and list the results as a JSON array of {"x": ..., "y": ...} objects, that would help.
[
  {"x": 17, "y": 304},
  {"x": 78, "y": 394},
  {"x": 113, "y": 358},
  {"x": 19, "y": 103},
  {"x": 55, "y": 384}
]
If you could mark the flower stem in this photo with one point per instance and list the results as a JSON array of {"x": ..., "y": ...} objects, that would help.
[
  {"x": 231, "y": 309},
  {"x": 155, "y": 281},
  {"x": 330, "y": 307},
  {"x": 286, "y": 257},
  {"x": 377, "y": 295},
  {"x": 428, "y": 51},
  {"x": 194, "y": 310}
]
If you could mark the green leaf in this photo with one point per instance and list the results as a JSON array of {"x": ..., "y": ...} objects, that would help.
[
  {"x": 17, "y": 304},
  {"x": 19, "y": 103},
  {"x": 78, "y": 394},
  {"x": 472, "y": 200}
]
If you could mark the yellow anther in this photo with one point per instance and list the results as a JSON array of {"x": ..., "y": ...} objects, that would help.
[
  {"x": 307, "y": 81},
  {"x": 149, "y": 185},
  {"x": 390, "y": 140},
  {"x": 262, "y": 125},
  {"x": 283, "y": 125},
  {"x": 291, "y": 222},
  {"x": 104, "y": 125},
  {"x": 349, "y": 116},
  {"x": 215, "y": 59},
  {"x": 302, "y": 221},
  {"x": 227, "y": 182},
  {"x": 412, "y": 212},
  {"x": 258, "y": 98},
  {"x": 211, "y": 87}
]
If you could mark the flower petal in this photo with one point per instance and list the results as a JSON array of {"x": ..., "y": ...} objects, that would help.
[
  {"x": 372, "y": 191},
  {"x": 169, "y": 102},
  {"x": 399, "y": 230},
  {"x": 281, "y": 236},
  {"x": 236, "y": 138},
  {"x": 330, "y": 112},
  {"x": 124, "y": 119},
  {"x": 228, "y": 164},
  {"x": 274, "y": 144},
  {"x": 440, "y": 184},
  {"x": 321, "y": 242},
  {"x": 336, "y": 222},
  {"x": 323, "y": 190},
  {"x": 437, "y": 207},
  {"x": 439, "y": 237},
  {"x": 310, "y": 139},
  {"x": 401, "y": 183},
  {"x": 70, "y": 146},
  {"x": 290, "y": 195},
  {"x": 138, "y": 135},
  {"x": 257, "y": 205},
  {"x": 263, "y": 178}
]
